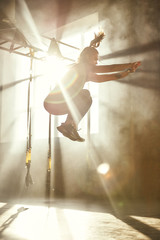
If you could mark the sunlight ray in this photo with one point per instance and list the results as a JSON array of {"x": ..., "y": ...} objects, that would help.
[{"x": 26, "y": 25}]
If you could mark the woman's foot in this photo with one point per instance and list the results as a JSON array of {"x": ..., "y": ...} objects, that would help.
[{"x": 69, "y": 131}]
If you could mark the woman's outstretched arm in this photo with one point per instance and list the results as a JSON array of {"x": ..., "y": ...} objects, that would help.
[
  {"x": 108, "y": 77},
  {"x": 115, "y": 67}
]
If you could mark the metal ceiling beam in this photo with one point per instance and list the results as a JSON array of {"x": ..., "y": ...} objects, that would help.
[{"x": 18, "y": 44}]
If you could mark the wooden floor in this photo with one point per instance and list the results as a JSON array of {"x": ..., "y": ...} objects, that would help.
[{"x": 78, "y": 220}]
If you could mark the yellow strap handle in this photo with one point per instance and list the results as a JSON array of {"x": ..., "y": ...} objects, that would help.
[
  {"x": 49, "y": 163},
  {"x": 28, "y": 156}
]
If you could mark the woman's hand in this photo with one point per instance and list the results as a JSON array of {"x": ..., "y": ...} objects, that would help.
[{"x": 134, "y": 66}]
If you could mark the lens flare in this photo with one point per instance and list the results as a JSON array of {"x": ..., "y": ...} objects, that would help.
[
  {"x": 103, "y": 168},
  {"x": 54, "y": 68}
]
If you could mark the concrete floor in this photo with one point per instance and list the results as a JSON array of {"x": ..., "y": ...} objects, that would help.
[{"x": 60, "y": 219}]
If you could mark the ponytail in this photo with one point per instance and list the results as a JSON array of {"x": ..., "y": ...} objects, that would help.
[
  {"x": 92, "y": 47},
  {"x": 97, "y": 39}
]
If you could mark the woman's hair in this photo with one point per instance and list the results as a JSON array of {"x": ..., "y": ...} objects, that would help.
[
  {"x": 89, "y": 51},
  {"x": 97, "y": 39}
]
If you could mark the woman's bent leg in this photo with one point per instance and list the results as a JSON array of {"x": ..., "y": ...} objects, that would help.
[
  {"x": 82, "y": 103},
  {"x": 76, "y": 109}
]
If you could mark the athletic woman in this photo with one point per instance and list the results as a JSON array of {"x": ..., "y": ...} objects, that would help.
[{"x": 69, "y": 96}]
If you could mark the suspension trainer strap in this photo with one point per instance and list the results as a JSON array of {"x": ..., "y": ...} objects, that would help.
[
  {"x": 48, "y": 179},
  {"x": 28, "y": 179},
  {"x": 49, "y": 161},
  {"x": 49, "y": 144}
]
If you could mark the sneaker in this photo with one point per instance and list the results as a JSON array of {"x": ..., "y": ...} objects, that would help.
[
  {"x": 77, "y": 136},
  {"x": 66, "y": 131},
  {"x": 69, "y": 131}
]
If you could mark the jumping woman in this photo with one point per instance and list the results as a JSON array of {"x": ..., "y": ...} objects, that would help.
[{"x": 69, "y": 97}]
